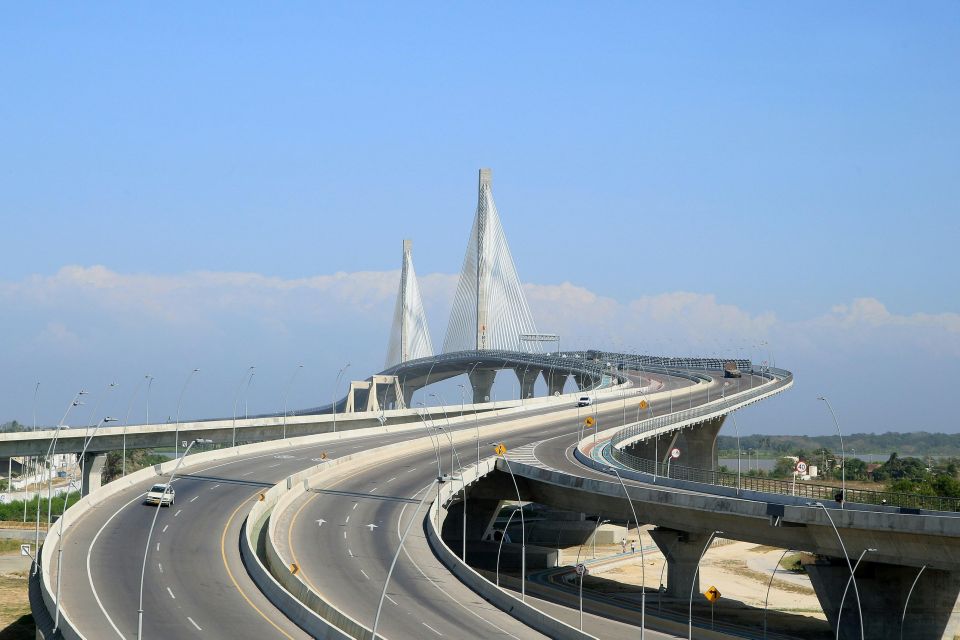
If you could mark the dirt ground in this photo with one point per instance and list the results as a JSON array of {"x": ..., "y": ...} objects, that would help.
[
  {"x": 16, "y": 623},
  {"x": 739, "y": 570}
]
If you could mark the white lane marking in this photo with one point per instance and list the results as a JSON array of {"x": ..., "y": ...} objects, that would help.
[
  {"x": 194, "y": 498},
  {"x": 433, "y": 582},
  {"x": 391, "y": 479},
  {"x": 93, "y": 542},
  {"x": 347, "y": 521},
  {"x": 158, "y": 546},
  {"x": 194, "y": 623},
  {"x": 344, "y": 535},
  {"x": 391, "y": 600},
  {"x": 171, "y": 593},
  {"x": 246, "y": 474},
  {"x": 350, "y": 551},
  {"x": 273, "y": 465},
  {"x": 364, "y": 574},
  {"x": 161, "y": 567},
  {"x": 320, "y": 522},
  {"x": 372, "y": 490},
  {"x": 165, "y": 528},
  {"x": 411, "y": 470},
  {"x": 372, "y": 527},
  {"x": 431, "y": 628},
  {"x": 214, "y": 487},
  {"x": 354, "y": 506},
  {"x": 177, "y": 513}
]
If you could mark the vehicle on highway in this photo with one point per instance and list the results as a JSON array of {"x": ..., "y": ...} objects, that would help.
[
  {"x": 584, "y": 401},
  {"x": 161, "y": 494},
  {"x": 730, "y": 370}
]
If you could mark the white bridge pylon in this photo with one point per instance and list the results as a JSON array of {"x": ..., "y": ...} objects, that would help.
[
  {"x": 410, "y": 335},
  {"x": 490, "y": 310}
]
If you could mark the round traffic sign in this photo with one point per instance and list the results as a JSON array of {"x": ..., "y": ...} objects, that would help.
[
  {"x": 801, "y": 467},
  {"x": 675, "y": 453}
]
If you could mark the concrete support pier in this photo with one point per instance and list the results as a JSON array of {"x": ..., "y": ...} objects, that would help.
[
  {"x": 481, "y": 381},
  {"x": 682, "y": 551},
  {"x": 556, "y": 381},
  {"x": 527, "y": 376},
  {"x": 92, "y": 471},
  {"x": 883, "y": 592},
  {"x": 698, "y": 445}
]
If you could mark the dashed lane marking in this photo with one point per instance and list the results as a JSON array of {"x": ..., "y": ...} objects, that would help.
[
  {"x": 194, "y": 623},
  {"x": 171, "y": 593},
  {"x": 431, "y": 628}
]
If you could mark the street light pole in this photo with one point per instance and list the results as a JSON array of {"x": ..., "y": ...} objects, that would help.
[
  {"x": 643, "y": 567},
  {"x": 844, "y": 597},
  {"x": 766, "y": 600},
  {"x": 149, "y": 384},
  {"x": 393, "y": 563},
  {"x": 856, "y": 592},
  {"x": 153, "y": 523},
  {"x": 843, "y": 456},
  {"x": 63, "y": 516},
  {"x": 599, "y": 524},
  {"x": 523, "y": 533},
  {"x": 126, "y": 423},
  {"x": 500, "y": 548},
  {"x": 903, "y": 618},
  {"x": 176, "y": 433},
  {"x": 333, "y": 398},
  {"x": 236, "y": 399},
  {"x": 693, "y": 583},
  {"x": 286, "y": 393},
  {"x": 51, "y": 453}
]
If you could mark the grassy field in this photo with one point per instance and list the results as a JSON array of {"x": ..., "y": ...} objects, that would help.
[{"x": 16, "y": 623}]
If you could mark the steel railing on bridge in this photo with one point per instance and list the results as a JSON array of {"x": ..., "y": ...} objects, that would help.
[
  {"x": 781, "y": 379},
  {"x": 802, "y": 489}
]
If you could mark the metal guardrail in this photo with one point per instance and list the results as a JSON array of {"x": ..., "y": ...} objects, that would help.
[
  {"x": 818, "y": 492},
  {"x": 781, "y": 378}
]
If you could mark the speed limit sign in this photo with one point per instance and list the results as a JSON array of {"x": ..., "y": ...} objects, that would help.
[
  {"x": 801, "y": 467},
  {"x": 675, "y": 453}
]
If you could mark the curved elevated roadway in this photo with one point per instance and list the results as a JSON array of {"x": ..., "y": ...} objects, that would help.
[{"x": 196, "y": 583}]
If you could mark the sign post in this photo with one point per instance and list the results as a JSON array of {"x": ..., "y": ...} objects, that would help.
[
  {"x": 581, "y": 571},
  {"x": 712, "y": 594},
  {"x": 674, "y": 454}
]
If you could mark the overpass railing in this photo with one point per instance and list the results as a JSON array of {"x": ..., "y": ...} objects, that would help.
[
  {"x": 781, "y": 378},
  {"x": 818, "y": 492}
]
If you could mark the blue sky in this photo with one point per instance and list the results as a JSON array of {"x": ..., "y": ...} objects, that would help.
[{"x": 226, "y": 186}]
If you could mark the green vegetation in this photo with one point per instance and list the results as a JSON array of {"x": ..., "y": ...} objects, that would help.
[
  {"x": 919, "y": 443},
  {"x": 792, "y": 562},
  {"x": 14, "y": 510},
  {"x": 136, "y": 459}
]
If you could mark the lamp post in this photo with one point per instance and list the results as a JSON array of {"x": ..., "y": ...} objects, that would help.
[
  {"x": 502, "y": 451},
  {"x": 843, "y": 457},
  {"x": 336, "y": 385},
  {"x": 236, "y": 398},
  {"x": 96, "y": 408},
  {"x": 693, "y": 583},
  {"x": 845, "y": 588},
  {"x": 856, "y": 592},
  {"x": 153, "y": 523},
  {"x": 150, "y": 380},
  {"x": 51, "y": 454},
  {"x": 393, "y": 563},
  {"x": 463, "y": 481},
  {"x": 176, "y": 433},
  {"x": 739, "y": 449},
  {"x": 286, "y": 393},
  {"x": 436, "y": 451},
  {"x": 26, "y": 485},
  {"x": 126, "y": 423},
  {"x": 766, "y": 600},
  {"x": 599, "y": 524},
  {"x": 500, "y": 548},
  {"x": 63, "y": 516},
  {"x": 643, "y": 567},
  {"x": 903, "y": 618}
]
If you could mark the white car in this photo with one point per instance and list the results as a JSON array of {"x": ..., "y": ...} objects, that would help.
[
  {"x": 584, "y": 401},
  {"x": 161, "y": 494}
]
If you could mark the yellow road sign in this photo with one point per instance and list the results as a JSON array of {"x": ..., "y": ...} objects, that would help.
[
  {"x": 643, "y": 404},
  {"x": 712, "y": 594},
  {"x": 323, "y": 456},
  {"x": 589, "y": 421},
  {"x": 294, "y": 568},
  {"x": 500, "y": 449}
]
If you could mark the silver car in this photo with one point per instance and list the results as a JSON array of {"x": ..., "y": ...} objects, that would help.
[{"x": 161, "y": 494}]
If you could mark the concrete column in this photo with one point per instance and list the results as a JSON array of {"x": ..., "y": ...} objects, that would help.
[
  {"x": 527, "y": 376},
  {"x": 409, "y": 388},
  {"x": 556, "y": 380},
  {"x": 92, "y": 471},
  {"x": 698, "y": 445},
  {"x": 657, "y": 448},
  {"x": 682, "y": 551},
  {"x": 583, "y": 381},
  {"x": 481, "y": 380},
  {"x": 883, "y": 592}
]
